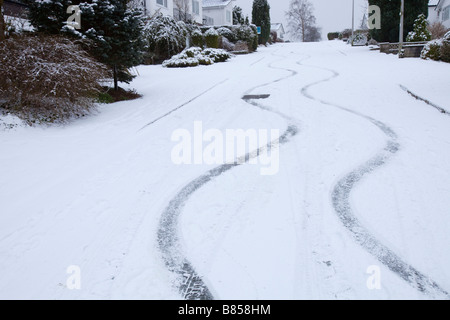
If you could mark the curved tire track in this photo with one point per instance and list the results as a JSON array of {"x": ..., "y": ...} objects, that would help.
[
  {"x": 189, "y": 283},
  {"x": 341, "y": 203}
]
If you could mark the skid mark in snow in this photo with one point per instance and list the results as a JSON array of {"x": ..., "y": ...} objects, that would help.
[
  {"x": 181, "y": 106},
  {"x": 341, "y": 203},
  {"x": 415, "y": 96},
  {"x": 259, "y": 60},
  {"x": 189, "y": 283}
]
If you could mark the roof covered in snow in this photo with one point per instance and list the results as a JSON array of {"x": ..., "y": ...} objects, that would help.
[
  {"x": 433, "y": 3},
  {"x": 276, "y": 26},
  {"x": 215, "y": 3}
]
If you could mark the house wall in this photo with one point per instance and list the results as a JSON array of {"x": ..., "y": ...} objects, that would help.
[
  {"x": 437, "y": 14},
  {"x": 432, "y": 15},
  {"x": 219, "y": 14},
  {"x": 153, "y": 6},
  {"x": 444, "y": 5}
]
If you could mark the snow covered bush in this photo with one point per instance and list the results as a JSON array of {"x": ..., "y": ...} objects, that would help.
[
  {"x": 420, "y": 32},
  {"x": 226, "y": 44},
  {"x": 447, "y": 37},
  {"x": 197, "y": 38},
  {"x": 249, "y": 34},
  {"x": 225, "y": 37},
  {"x": 164, "y": 37},
  {"x": 46, "y": 79},
  {"x": 438, "y": 50},
  {"x": 217, "y": 55},
  {"x": 445, "y": 51},
  {"x": 432, "y": 50},
  {"x": 227, "y": 33},
  {"x": 195, "y": 56},
  {"x": 445, "y": 48},
  {"x": 212, "y": 38}
]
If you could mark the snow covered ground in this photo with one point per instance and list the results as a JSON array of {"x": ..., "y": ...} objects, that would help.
[{"x": 362, "y": 186}]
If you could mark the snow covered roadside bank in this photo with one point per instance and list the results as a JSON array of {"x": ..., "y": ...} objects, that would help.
[{"x": 92, "y": 193}]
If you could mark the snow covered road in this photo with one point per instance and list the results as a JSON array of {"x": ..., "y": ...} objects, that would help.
[{"x": 362, "y": 185}]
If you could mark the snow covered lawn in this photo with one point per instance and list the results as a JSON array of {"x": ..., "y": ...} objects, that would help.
[{"x": 91, "y": 194}]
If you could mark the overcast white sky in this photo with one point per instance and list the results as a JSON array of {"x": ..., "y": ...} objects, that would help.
[{"x": 332, "y": 15}]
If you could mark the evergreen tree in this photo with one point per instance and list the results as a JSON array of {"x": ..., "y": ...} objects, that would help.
[
  {"x": 261, "y": 18},
  {"x": 420, "y": 32},
  {"x": 390, "y": 19},
  {"x": 49, "y": 16},
  {"x": 238, "y": 17},
  {"x": 114, "y": 30}
]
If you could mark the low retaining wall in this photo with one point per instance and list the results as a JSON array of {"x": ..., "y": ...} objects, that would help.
[{"x": 410, "y": 49}]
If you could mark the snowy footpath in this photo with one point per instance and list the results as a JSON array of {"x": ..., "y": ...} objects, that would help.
[{"x": 357, "y": 208}]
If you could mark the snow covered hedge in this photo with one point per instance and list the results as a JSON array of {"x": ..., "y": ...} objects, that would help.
[
  {"x": 227, "y": 33},
  {"x": 164, "y": 37},
  {"x": 233, "y": 34},
  {"x": 438, "y": 50},
  {"x": 47, "y": 79},
  {"x": 195, "y": 56},
  {"x": 212, "y": 38}
]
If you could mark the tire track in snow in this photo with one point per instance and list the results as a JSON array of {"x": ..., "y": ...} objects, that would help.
[
  {"x": 182, "y": 105},
  {"x": 415, "y": 96},
  {"x": 341, "y": 203},
  {"x": 189, "y": 283}
]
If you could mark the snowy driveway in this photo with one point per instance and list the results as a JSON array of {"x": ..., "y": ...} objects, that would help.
[{"x": 362, "y": 186}]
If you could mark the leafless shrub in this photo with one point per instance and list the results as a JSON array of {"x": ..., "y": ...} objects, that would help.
[
  {"x": 438, "y": 30},
  {"x": 47, "y": 79},
  {"x": 226, "y": 44},
  {"x": 241, "y": 46}
]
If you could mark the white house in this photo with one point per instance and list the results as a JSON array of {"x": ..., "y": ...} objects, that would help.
[
  {"x": 193, "y": 8},
  {"x": 218, "y": 12},
  {"x": 439, "y": 11},
  {"x": 278, "y": 29}
]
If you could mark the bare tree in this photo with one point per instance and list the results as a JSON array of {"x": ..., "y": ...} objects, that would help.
[
  {"x": 2, "y": 22},
  {"x": 301, "y": 19},
  {"x": 182, "y": 7}
]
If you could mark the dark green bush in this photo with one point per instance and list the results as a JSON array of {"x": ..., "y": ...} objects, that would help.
[
  {"x": 333, "y": 35},
  {"x": 432, "y": 50},
  {"x": 197, "y": 39},
  {"x": 104, "y": 97},
  {"x": 227, "y": 33},
  {"x": 445, "y": 51},
  {"x": 212, "y": 38},
  {"x": 217, "y": 55}
]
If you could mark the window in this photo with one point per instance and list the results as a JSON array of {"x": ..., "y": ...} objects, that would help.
[
  {"x": 228, "y": 16},
  {"x": 446, "y": 13},
  {"x": 162, "y": 2},
  {"x": 195, "y": 7}
]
